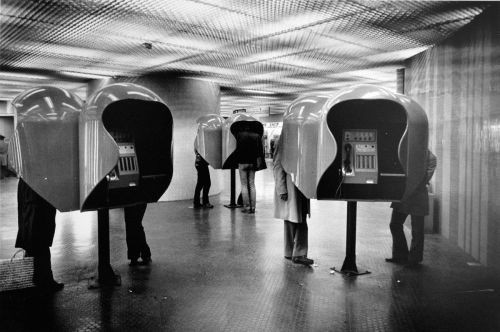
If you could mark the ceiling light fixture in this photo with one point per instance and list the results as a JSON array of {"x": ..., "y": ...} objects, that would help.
[
  {"x": 259, "y": 92},
  {"x": 22, "y": 75},
  {"x": 84, "y": 75}
]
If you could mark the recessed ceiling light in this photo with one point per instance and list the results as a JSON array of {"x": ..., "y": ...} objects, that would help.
[
  {"x": 84, "y": 75},
  {"x": 23, "y": 75},
  {"x": 259, "y": 92}
]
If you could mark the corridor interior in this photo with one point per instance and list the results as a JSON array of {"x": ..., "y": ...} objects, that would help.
[{"x": 222, "y": 270}]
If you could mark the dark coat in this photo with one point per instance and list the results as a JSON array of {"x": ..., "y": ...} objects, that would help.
[
  {"x": 250, "y": 150},
  {"x": 417, "y": 203},
  {"x": 200, "y": 162},
  {"x": 36, "y": 219}
]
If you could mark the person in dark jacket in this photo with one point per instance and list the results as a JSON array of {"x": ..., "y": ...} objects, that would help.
[
  {"x": 37, "y": 225},
  {"x": 417, "y": 205},
  {"x": 203, "y": 183},
  {"x": 250, "y": 158},
  {"x": 135, "y": 236}
]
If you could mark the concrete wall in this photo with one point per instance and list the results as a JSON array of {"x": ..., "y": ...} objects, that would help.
[
  {"x": 187, "y": 100},
  {"x": 458, "y": 84}
]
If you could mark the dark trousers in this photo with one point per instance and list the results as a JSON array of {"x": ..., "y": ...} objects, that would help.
[
  {"x": 399, "y": 245},
  {"x": 136, "y": 238},
  {"x": 203, "y": 183},
  {"x": 42, "y": 266},
  {"x": 296, "y": 239},
  {"x": 37, "y": 225}
]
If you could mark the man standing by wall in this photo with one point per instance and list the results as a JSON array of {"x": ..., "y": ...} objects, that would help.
[{"x": 417, "y": 205}]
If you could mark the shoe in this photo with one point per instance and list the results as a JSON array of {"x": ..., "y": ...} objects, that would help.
[
  {"x": 396, "y": 260},
  {"x": 197, "y": 206},
  {"x": 251, "y": 211},
  {"x": 207, "y": 206},
  {"x": 288, "y": 257},
  {"x": 302, "y": 260},
  {"x": 50, "y": 286},
  {"x": 245, "y": 210},
  {"x": 55, "y": 286},
  {"x": 412, "y": 265},
  {"x": 133, "y": 262},
  {"x": 146, "y": 261}
]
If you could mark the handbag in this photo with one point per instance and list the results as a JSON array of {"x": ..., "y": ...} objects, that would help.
[{"x": 16, "y": 273}]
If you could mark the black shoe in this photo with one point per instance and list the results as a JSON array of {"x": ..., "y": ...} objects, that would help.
[
  {"x": 288, "y": 257},
  {"x": 251, "y": 211},
  {"x": 412, "y": 265},
  {"x": 133, "y": 262},
  {"x": 396, "y": 260},
  {"x": 50, "y": 286},
  {"x": 207, "y": 206},
  {"x": 197, "y": 206},
  {"x": 302, "y": 260},
  {"x": 146, "y": 261},
  {"x": 55, "y": 286}
]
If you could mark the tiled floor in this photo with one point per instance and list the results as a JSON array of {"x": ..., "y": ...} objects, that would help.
[{"x": 221, "y": 270}]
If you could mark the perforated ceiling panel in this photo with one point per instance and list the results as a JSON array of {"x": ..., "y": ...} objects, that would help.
[{"x": 275, "y": 49}]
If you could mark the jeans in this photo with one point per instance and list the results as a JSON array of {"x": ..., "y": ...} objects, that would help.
[{"x": 247, "y": 178}]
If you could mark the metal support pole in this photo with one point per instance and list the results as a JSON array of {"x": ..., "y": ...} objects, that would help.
[
  {"x": 105, "y": 274},
  {"x": 349, "y": 267}
]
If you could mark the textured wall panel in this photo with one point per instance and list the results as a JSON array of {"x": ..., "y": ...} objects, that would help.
[{"x": 458, "y": 84}]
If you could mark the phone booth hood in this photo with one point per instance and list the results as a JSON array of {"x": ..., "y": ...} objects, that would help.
[
  {"x": 310, "y": 143},
  {"x": 229, "y": 130},
  {"x": 208, "y": 142},
  {"x": 137, "y": 111},
  {"x": 44, "y": 148}
]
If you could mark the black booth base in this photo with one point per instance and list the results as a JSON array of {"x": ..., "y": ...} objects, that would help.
[
  {"x": 108, "y": 279},
  {"x": 350, "y": 272}
]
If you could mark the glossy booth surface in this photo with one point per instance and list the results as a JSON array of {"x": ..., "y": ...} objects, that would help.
[
  {"x": 231, "y": 127},
  {"x": 125, "y": 147},
  {"x": 208, "y": 140},
  {"x": 364, "y": 143},
  {"x": 44, "y": 147}
]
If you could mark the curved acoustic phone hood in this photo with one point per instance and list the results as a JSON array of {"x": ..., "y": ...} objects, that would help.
[
  {"x": 44, "y": 147},
  {"x": 231, "y": 127},
  {"x": 119, "y": 121},
  {"x": 208, "y": 142},
  {"x": 392, "y": 130}
]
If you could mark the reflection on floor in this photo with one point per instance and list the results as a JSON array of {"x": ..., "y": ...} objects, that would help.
[{"x": 221, "y": 270}]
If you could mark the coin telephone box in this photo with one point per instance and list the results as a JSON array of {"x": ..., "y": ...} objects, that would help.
[
  {"x": 126, "y": 172},
  {"x": 359, "y": 156}
]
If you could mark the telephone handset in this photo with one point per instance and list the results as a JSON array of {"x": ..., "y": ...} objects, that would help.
[
  {"x": 126, "y": 172},
  {"x": 347, "y": 161}
]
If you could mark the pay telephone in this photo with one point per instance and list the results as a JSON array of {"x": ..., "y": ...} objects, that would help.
[
  {"x": 359, "y": 156},
  {"x": 126, "y": 172}
]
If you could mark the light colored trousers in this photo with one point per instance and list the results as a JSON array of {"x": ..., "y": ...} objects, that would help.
[
  {"x": 296, "y": 238},
  {"x": 247, "y": 178}
]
